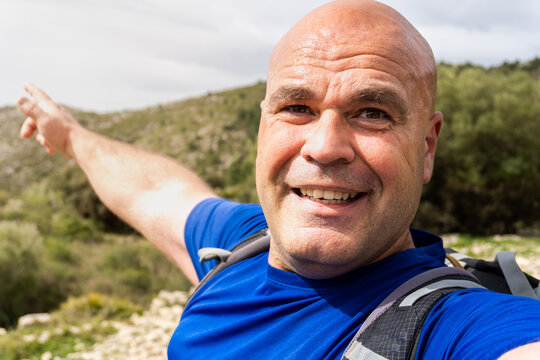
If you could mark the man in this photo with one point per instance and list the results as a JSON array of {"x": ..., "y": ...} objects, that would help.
[{"x": 347, "y": 139}]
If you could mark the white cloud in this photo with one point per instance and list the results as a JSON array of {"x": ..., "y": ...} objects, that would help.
[
  {"x": 457, "y": 45},
  {"x": 485, "y": 32},
  {"x": 109, "y": 55}
]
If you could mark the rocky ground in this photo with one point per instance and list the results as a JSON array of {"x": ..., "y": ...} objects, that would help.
[
  {"x": 146, "y": 336},
  {"x": 143, "y": 337}
]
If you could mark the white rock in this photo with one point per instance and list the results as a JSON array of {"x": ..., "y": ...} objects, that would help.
[
  {"x": 164, "y": 294},
  {"x": 32, "y": 319},
  {"x": 29, "y": 338},
  {"x": 74, "y": 330},
  {"x": 134, "y": 317},
  {"x": 46, "y": 356},
  {"x": 157, "y": 303},
  {"x": 507, "y": 237},
  {"x": 450, "y": 239},
  {"x": 44, "y": 337},
  {"x": 143, "y": 337},
  {"x": 173, "y": 297},
  {"x": 152, "y": 337},
  {"x": 177, "y": 310},
  {"x": 181, "y": 297},
  {"x": 117, "y": 325}
]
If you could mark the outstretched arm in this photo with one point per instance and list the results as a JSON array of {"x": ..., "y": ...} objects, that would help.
[
  {"x": 152, "y": 193},
  {"x": 525, "y": 352}
]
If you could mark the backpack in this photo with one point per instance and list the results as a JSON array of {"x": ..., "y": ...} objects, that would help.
[{"x": 409, "y": 305}]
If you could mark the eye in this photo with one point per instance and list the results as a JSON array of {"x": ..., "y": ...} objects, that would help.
[
  {"x": 373, "y": 119},
  {"x": 298, "y": 109},
  {"x": 374, "y": 114}
]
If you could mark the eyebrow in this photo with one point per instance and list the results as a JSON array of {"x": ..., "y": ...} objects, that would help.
[
  {"x": 290, "y": 94},
  {"x": 383, "y": 96}
]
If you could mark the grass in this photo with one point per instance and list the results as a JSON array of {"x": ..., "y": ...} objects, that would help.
[
  {"x": 78, "y": 324},
  {"x": 527, "y": 248}
]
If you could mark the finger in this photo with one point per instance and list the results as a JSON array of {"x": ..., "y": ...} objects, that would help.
[
  {"x": 28, "y": 127},
  {"x": 29, "y": 108},
  {"x": 41, "y": 98},
  {"x": 41, "y": 140},
  {"x": 38, "y": 94},
  {"x": 49, "y": 150}
]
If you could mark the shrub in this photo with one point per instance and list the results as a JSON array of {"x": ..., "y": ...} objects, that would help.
[
  {"x": 60, "y": 251},
  {"x": 20, "y": 244},
  {"x": 25, "y": 286},
  {"x": 137, "y": 270},
  {"x": 94, "y": 304},
  {"x": 486, "y": 170},
  {"x": 69, "y": 226}
]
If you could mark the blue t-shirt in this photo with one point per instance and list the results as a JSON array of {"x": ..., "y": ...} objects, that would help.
[{"x": 255, "y": 311}]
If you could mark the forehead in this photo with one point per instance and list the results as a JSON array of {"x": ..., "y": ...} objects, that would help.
[
  {"x": 340, "y": 73},
  {"x": 345, "y": 51}
]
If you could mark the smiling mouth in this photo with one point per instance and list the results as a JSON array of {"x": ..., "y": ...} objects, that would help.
[{"x": 328, "y": 196}]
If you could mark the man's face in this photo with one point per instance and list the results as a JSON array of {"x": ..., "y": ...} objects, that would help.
[{"x": 342, "y": 152}]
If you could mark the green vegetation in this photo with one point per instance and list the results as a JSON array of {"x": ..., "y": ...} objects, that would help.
[
  {"x": 58, "y": 240},
  {"x": 487, "y": 168},
  {"x": 48, "y": 252},
  {"x": 79, "y": 323},
  {"x": 25, "y": 286},
  {"x": 486, "y": 247}
]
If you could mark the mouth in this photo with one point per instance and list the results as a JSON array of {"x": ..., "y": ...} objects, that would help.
[{"x": 328, "y": 196}]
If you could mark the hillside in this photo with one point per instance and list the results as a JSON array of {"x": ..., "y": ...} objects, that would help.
[
  {"x": 57, "y": 240},
  {"x": 486, "y": 174},
  {"x": 213, "y": 135}
]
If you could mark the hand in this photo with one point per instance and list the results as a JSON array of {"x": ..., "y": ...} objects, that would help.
[{"x": 52, "y": 123}]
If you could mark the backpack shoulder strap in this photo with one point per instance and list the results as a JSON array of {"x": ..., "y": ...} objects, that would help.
[
  {"x": 409, "y": 305},
  {"x": 501, "y": 275},
  {"x": 251, "y": 246},
  {"x": 516, "y": 279}
]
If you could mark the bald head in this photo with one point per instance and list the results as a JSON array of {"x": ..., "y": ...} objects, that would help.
[
  {"x": 348, "y": 109},
  {"x": 343, "y": 29}
]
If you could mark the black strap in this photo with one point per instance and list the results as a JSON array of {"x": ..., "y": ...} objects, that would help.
[
  {"x": 393, "y": 329},
  {"x": 379, "y": 338},
  {"x": 251, "y": 246},
  {"x": 515, "y": 278}
]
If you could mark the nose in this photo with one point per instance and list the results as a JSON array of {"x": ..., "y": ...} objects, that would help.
[{"x": 330, "y": 141}]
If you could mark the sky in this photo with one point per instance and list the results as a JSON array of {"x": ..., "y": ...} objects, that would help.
[{"x": 111, "y": 55}]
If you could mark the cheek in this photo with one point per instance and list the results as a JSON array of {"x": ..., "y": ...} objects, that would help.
[
  {"x": 277, "y": 145},
  {"x": 393, "y": 158}
]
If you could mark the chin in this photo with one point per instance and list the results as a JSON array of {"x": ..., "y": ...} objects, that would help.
[{"x": 325, "y": 251}]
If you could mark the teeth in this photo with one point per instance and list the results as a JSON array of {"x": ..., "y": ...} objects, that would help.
[{"x": 327, "y": 196}]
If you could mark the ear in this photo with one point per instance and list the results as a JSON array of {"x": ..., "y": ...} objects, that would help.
[{"x": 432, "y": 131}]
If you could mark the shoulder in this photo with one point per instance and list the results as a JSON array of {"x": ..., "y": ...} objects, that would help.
[
  {"x": 470, "y": 322},
  {"x": 217, "y": 217},
  {"x": 220, "y": 223}
]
